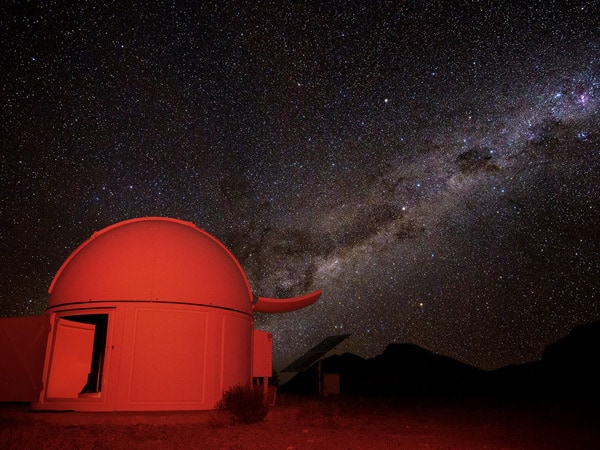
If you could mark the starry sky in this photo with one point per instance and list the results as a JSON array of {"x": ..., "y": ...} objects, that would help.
[{"x": 432, "y": 166}]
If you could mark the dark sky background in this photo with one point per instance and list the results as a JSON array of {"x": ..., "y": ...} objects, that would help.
[{"x": 433, "y": 166}]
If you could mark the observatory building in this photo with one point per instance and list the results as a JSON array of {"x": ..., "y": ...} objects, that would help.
[{"x": 147, "y": 314}]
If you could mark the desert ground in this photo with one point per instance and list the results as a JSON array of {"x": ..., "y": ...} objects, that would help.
[{"x": 311, "y": 423}]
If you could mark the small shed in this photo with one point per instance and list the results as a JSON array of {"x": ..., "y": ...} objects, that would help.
[{"x": 147, "y": 314}]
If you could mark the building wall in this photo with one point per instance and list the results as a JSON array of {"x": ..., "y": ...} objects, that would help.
[
  {"x": 23, "y": 342},
  {"x": 159, "y": 356}
]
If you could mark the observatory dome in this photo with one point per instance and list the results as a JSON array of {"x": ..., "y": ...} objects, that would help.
[{"x": 152, "y": 259}]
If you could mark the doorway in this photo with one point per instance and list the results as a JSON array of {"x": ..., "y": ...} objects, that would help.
[{"x": 78, "y": 356}]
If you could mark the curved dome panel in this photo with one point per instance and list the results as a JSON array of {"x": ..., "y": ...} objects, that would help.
[{"x": 152, "y": 259}]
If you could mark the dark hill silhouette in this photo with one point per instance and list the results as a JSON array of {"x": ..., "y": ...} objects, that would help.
[
  {"x": 571, "y": 365},
  {"x": 401, "y": 370},
  {"x": 409, "y": 370},
  {"x": 568, "y": 368}
]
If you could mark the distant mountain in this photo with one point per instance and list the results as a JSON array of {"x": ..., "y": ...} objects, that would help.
[
  {"x": 401, "y": 370},
  {"x": 568, "y": 368},
  {"x": 571, "y": 365}
]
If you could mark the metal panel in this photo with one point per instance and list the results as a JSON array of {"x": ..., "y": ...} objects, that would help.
[
  {"x": 236, "y": 351},
  {"x": 23, "y": 342},
  {"x": 280, "y": 305},
  {"x": 316, "y": 353},
  {"x": 168, "y": 359},
  {"x": 71, "y": 358},
  {"x": 262, "y": 354}
]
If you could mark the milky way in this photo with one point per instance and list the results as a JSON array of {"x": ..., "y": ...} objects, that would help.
[{"x": 433, "y": 167}]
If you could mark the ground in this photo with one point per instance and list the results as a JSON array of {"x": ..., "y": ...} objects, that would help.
[{"x": 308, "y": 423}]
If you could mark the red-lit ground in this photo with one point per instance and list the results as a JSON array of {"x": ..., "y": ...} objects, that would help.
[{"x": 300, "y": 423}]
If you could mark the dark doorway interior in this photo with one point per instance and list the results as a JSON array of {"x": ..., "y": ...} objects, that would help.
[{"x": 94, "y": 383}]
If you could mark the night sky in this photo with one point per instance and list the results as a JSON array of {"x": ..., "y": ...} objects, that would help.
[{"x": 433, "y": 166}]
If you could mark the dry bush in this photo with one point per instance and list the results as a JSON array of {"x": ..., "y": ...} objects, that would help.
[{"x": 244, "y": 404}]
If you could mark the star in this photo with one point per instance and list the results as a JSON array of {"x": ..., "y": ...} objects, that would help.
[{"x": 437, "y": 178}]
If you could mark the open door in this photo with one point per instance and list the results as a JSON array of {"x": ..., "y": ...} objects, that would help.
[{"x": 71, "y": 358}]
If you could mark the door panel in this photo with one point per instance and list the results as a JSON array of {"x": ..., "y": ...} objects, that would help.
[{"x": 71, "y": 358}]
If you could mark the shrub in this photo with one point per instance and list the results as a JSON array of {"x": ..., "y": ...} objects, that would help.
[{"x": 244, "y": 404}]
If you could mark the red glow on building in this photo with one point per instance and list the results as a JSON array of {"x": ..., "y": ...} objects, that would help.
[{"x": 147, "y": 314}]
